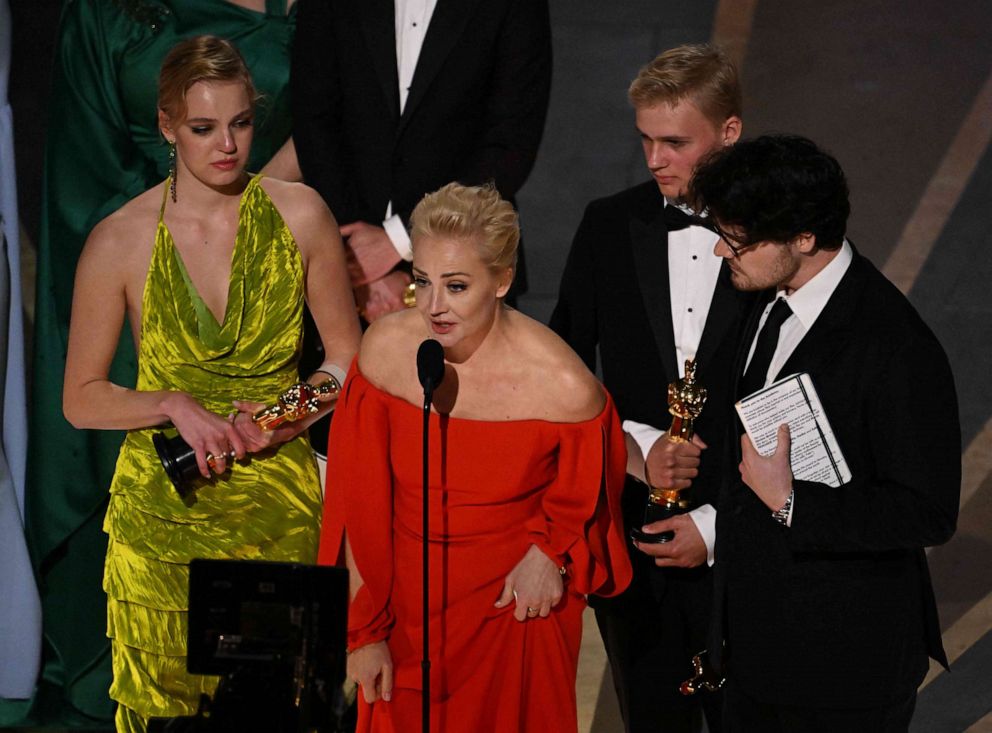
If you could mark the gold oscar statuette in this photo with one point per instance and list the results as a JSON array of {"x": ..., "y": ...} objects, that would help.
[
  {"x": 302, "y": 399},
  {"x": 297, "y": 402},
  {"x": 685, "y": 403}
]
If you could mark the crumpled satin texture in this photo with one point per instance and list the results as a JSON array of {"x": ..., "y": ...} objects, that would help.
[{"x": 265, "y": 507}]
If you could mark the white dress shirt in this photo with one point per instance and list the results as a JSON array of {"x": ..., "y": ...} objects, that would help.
[
  {"x": 693, "y": 271},
  {"x": 806, "y": 303},
  {"x": 413, "y": 17}
]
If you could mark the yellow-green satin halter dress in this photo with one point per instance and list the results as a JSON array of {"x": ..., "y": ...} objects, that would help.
[{"x": 265, "y": 507}]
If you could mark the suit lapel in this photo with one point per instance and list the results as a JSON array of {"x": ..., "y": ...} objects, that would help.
[
  {"x": 734, "y": 427},
  {"x": 649, "y": 243},
  {"x": 722, "y": 314},
  {"x": 379, "y": 27},
  {"x": 747, "y": 338},
  {"x": 445, "y": 30},
  {"x": 832, "y": 328}
]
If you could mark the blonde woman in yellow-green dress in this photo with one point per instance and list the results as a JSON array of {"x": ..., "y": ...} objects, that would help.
[{"x": 211, "y": 269}]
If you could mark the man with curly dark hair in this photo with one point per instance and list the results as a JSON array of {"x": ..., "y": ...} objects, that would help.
[{"x": 828, "y": 606}]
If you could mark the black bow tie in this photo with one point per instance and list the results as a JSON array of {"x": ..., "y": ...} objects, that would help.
[{"x": 675, "y": 219}]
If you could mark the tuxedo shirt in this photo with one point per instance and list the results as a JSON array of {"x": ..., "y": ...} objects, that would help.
[
  {"x": 693, "y": 270},
  {"x": 413, "y": 17},
  {"x": 806, "y": 304}
]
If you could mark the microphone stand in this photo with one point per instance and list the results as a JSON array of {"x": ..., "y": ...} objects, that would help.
[
  {"x": 430, "y": 372},
  {"x": 425, "y": 664}
]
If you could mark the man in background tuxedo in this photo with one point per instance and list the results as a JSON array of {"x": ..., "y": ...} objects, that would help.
[
  {"x": 392, "y": 100},
  {"x": 830, "y": 613},
  {"x": 641, "y": 284}
]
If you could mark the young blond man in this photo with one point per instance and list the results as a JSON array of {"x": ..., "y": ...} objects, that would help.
[{"x": 642, "y": 288}]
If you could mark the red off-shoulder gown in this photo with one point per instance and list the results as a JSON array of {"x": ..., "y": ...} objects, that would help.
[{"x": 495, "y": 488}]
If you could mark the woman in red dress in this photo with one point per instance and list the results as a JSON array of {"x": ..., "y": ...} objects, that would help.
[{"x": 527, "y": 462}]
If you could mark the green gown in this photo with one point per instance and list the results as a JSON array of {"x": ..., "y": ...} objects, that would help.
[
  {"x": 265, "y": 507},
  {"x": 103, "y": 149}
]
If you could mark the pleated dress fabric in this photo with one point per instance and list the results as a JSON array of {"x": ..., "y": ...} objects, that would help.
[{"x": 264, "y": 507}]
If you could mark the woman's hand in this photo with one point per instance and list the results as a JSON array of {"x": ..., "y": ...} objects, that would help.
[
  {"x": 256, "y": 439},
  {"x": 371, "y": 666},
  {"x": 205, "y": 432},
  {"x": 535, "y": 584}
]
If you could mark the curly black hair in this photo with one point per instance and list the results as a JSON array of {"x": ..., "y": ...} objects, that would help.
[{"x": 774, "y": 188}]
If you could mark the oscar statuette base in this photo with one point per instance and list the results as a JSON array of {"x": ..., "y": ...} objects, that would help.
[{"x": 655, "y": 512}]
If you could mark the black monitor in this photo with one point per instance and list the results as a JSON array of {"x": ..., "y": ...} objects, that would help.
[{"x": 269, "y": 626}]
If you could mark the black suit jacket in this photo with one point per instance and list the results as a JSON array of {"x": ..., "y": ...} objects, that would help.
[
  {"x": 615, "y": 297},
  {"x": 475, "y": 110},
  {"x": 838, "y": 609}
]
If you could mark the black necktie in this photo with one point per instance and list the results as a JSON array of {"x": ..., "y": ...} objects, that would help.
[
  {"x": 676, "y": 218},
  {"x": 764, "y": 350}
]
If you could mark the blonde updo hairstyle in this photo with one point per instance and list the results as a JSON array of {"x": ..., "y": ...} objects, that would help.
[
  {"x": 200, "y": 58},
  {"x": 474, "y": 214}
]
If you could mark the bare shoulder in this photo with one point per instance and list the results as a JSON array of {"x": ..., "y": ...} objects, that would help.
[
  {"x": 306, "y": 215},
  {"x": 570, "y": 392},
  {"x": 298, "y": 204},
  {"x": 127, "y": 235},
  {"x": 387, "y": 356}
]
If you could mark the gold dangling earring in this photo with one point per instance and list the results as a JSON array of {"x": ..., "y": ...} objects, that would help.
[{"x": 172, "y": 170}]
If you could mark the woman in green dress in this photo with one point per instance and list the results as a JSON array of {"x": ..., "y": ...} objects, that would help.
[
  {"x": 211, "y": 269},
  {"x": 103, "y": 148}
]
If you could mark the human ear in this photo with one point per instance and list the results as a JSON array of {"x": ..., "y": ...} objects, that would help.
[
  {"x": 165, "y": 127},
  {"x": 505, "y": 281},
  {"x": 732, "y": 128},
  {"x": 806, "y": 242}
]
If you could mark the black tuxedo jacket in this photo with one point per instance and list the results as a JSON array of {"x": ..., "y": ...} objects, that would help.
[
  {"x": 615, "y": 297},
  {"x": 838, "y": 609},
  {"x": 475, "y": 110}
]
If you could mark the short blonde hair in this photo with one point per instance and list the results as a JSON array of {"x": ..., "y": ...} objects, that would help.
[
  {"x": 699, "y": 72},
  {"x": 200, "y": 58},
  {"x": 471, "y": 213}
]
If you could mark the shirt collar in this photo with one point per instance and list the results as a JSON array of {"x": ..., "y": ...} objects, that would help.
[{"x": 809, "y": 301}]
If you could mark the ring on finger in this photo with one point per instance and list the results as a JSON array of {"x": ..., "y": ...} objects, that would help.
[
  {"x": 226, "y": 456},
  {"x": 531, "y": 612}
]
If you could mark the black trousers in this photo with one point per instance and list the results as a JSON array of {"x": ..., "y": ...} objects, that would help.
[
  {"x": 743, "y": 714},
  {"x": 651, "y": 633}
]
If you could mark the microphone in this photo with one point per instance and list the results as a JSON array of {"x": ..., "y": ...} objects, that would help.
[{"x": 430, "y": 365}]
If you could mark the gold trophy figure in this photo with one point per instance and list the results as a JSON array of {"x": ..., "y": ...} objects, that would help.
[
  {"x": 685, "y": 403},
  {"x": 302, "y": 399},
  {"x": 298, "y": 401}
]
